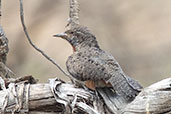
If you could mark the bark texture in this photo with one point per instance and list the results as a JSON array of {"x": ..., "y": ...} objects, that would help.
[{"x": 70, "y": 99}]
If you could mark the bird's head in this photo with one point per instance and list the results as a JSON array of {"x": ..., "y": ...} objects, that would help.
[{"x": 79, "y": 37}]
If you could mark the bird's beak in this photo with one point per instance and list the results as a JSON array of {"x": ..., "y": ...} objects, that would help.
[{"x": 61, "y": 35}]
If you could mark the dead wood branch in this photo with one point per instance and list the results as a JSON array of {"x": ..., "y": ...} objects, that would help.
[
  {"x": 5, "y": 72},
  {"x": 153, "y": 99},
  {"x": 73, "y": 14},
  {"x": 3, "y": 46},
  {"x": 3, "y": 42}
]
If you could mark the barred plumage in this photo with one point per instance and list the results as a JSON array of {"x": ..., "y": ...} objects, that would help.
[{"x": 89, "y": 62}]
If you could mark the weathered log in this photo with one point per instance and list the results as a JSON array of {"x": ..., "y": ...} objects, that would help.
[{"x": 153, "y": 99}]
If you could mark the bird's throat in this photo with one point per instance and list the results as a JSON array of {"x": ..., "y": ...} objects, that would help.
[{"x": 74, "y": 49}]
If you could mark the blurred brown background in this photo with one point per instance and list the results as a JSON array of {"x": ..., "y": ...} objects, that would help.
[{"x": 136, "y": 32}]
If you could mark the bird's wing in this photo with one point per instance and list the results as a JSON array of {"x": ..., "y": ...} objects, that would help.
[
  {"x": 112, "y": 73},
  {"x": 85, "y": 68},
  {"x": 103, "y": 66}
]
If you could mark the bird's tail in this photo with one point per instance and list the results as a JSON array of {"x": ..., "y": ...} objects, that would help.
[
  {"x": 124, "y": 90},
  {"x": 113, "y": 101},
  {"x": 124, "y": 86}
]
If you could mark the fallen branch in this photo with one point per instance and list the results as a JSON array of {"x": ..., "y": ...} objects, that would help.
[{"x": 153, "y": 99}]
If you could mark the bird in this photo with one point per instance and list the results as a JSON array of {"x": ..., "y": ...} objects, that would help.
[{"x": 94, "y": 67}]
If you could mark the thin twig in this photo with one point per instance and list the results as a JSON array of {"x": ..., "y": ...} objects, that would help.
[
  {"x": 32, "y": 44},
  {"x": 0, "y": 9}
]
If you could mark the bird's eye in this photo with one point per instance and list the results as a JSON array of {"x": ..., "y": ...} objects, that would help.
[{"x": 72, "y": 32}]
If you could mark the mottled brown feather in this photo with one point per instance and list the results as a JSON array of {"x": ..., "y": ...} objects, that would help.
[{"x": 99, "y": 69}]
